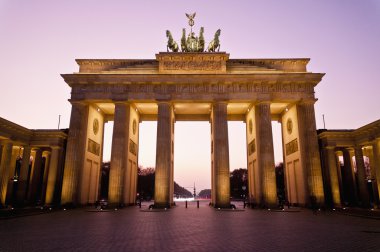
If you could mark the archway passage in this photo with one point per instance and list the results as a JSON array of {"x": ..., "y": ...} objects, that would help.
[{"x": 201, "y": 87}]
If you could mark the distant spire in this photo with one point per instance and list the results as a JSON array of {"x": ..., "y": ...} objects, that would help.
[{"x": 195, "y": 192}]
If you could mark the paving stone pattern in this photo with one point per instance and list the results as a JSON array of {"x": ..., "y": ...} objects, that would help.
[{"x": 191, "y": 229}]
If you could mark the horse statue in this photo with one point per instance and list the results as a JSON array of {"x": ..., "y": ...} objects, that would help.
[
  {"x": 201, "y": 41},
  {"x": 172, "y": 45},
  {"x": 183, "y": 41},
  {"x": 214, "y": 44}
]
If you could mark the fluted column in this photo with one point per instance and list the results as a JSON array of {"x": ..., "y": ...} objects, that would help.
[
  {"x": 163, "y": 176},
  {"x": 75, "y": 151},
  {"x": 23, "y": 179},
  {"x": 265, "y": 154},
  {"x": 221, "y": 155},
  {"x": 52, "y": 175},
  {"x": 334, "y": 178},
  {"x": 4, "y": 170},
  {"x": 119, "y": 153},
  {"x": 310, "y": 150},
  {"x": 362, "y": 181},
  {"x": 376, "y": 163}
]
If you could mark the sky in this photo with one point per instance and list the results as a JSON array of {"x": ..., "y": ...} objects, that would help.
[{"x": 40, "y": 39}]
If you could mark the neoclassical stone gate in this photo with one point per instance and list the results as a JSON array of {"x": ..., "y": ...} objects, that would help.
[{"x": 192, "y": 87}]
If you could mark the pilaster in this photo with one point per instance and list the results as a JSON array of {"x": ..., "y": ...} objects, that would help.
[{"x": 265, "y": 154}]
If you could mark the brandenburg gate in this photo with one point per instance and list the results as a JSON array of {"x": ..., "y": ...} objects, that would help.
[{"x": 192, "y": 86}]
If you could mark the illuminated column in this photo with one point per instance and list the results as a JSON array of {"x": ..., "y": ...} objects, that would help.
[
  {"x": 254, "y": 183},
  {"x": 310, "y": 150},
  {"x": 349, "y": 177},
  {"x": 75, "y": 151},
  {"x": 47, "y": 156},
  {"x": 376, "y": 163},
  {"x": 265, "y": 154},
  {"x": 52, "y": 176},
  {"x": 220, "y": 153},
  {"x": 23, "y": 179},
  {"x": 362, "y": 181},
  {"x": 35, "y": 176},
  {"x": 119, "y": 153},
  {"x": 6, "y": 156},
  {"x": 368, "y": 151},
  {"x": 164, "y": 156},
  {"x": 333, "y": 172}
]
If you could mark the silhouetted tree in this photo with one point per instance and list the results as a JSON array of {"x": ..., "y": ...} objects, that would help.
[
  {"x": 145, "y": 183},
  {"x": 205, "y": 193},
  {"x": 280, "y": 183},
  {"x": 238, "y": 183}
]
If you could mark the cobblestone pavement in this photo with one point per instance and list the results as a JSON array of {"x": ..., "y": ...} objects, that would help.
[{"x": 191, "y": 229}]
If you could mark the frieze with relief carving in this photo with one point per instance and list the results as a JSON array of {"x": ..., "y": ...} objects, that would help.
[{"x": 207, "y": 88}]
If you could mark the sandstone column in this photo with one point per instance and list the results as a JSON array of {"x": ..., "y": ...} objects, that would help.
[
  {"x": 119, "y": 153},
  {"x": 52, "y": 176},
  {"x": 221, "y": 155},
  {"x": 164, "y": 156},
  {"x": 35, "y": 176},
  {"x": 362, "y": 181},
  {"x": 75, "y": 151},
  {"x": 310, "y": 150},
  {"x": 376, "y": 162},
  {"x": 4, "y": 170},
  {"x": 334, "y": 178},
  {"x": 349, "y": 178},
  {"x": 24, "y": 172},
  {"x": 265, "y": 154}
]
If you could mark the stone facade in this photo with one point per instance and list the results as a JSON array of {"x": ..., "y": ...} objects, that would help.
[
  {"x": 31, "y": 165},
  {"x": 351, "y": 165}
]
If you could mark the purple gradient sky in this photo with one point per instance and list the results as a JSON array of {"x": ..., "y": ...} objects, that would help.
[{"x": 41, "y": 39}]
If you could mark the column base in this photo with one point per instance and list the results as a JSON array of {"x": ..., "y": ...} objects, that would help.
[
  {"x": 224, "y": 206},
  {"x": 161, "y": 205}
]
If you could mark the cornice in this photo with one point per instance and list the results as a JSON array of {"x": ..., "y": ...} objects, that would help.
[{"x": 92, "y": 78}]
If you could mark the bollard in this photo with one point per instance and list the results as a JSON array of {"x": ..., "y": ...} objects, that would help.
[
  {"x": 244, "y": 204},
  {"x": 197, "y": 203},
  {"x": 186, "y": 204},
  {"x": 140, "y": 204}
]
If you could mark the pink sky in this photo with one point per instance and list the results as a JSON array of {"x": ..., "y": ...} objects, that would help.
[{"x": 41, "y": 39}]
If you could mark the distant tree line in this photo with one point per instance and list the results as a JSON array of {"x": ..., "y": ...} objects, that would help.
[{"x": 238, "y": 184}]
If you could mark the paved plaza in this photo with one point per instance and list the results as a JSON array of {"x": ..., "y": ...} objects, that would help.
[{"x": 191, "y": 229}]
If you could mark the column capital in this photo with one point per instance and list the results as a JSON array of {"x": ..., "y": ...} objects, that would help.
[
  {"x": 121, "y": 102},
  {"x": 164, "y": 102},
  {"x": 264, "y": 102},
  {"x": 78, "y": 102},
  {"x": 329, "y": 147},
  {"x": 6, "y": 141},
  {"x": 308, "y": 101},
  {"x": 55, "y": 147},
  {"x": 221, "y": 101}
]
